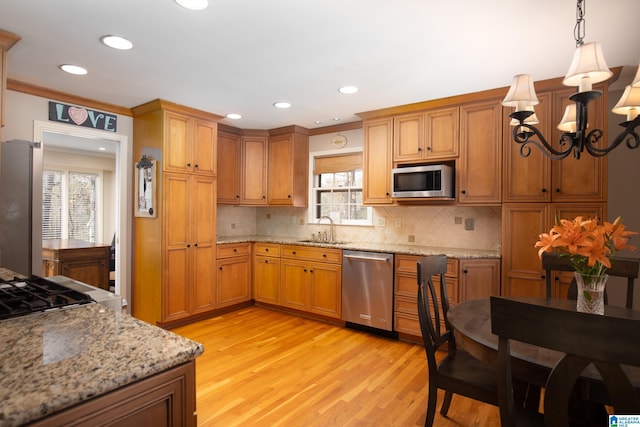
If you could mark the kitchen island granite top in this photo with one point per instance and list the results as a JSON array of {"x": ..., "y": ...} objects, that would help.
[
  {"x": 366, "y": 246},
  {"x": 54, "y": 360}
]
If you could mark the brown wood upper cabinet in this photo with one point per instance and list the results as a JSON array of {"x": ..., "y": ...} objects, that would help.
[
  {"x": 479, "y": 170},
  {"x": 242, "y": 168},
  {"x": 189, "y": 145},
  {"x": 537, "y": 178},
  {"x": 288, "y": 166},
  {"x": 377, "y": 153},
  {"x": 425, "y": 136}
]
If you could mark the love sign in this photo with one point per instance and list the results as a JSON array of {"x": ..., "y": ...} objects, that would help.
[{"x": 82, "y": 116}]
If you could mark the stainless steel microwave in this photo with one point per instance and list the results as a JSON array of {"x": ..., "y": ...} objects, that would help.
[{"x": 423, "y": 181}]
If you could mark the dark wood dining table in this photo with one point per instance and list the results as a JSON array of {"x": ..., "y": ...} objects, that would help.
[{"x": 471, "y": 321}]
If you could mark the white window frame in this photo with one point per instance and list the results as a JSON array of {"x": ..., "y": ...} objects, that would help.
[
  {"x": 312, "y": 218},
  {"x": 65, "y": 198}
]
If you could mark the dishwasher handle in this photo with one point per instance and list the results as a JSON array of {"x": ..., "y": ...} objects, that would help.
[{"x": 368, "y": 258}]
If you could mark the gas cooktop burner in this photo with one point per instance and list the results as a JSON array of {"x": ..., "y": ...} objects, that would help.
[{"x": 19, "y": 297}]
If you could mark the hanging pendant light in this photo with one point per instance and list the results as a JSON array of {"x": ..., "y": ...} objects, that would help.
[{"x": 587, "y": 68}]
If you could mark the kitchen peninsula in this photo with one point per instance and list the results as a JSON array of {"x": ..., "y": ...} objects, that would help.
[{"x": 89, "y": 363}]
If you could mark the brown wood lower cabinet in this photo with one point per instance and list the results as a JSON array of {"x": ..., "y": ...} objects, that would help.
[
  {"x": 465, "y": 279},
  {"x": 311, "y": 280},
  {"x": 83, "y": 261},
  {"x": 266, "y": 273},
  {"x": 234, "y": 274},
  {"x": 165, "y": 399}
]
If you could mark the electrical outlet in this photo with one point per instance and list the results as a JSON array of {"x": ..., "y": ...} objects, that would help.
[
  {"x": 468, "y": 224},
  {"x": 301, "y": 221},
  {"x": 294, "y": 221},
  {"x": 268, "y": 216},
  {"x": 411, "y": 238},
  {"x": 398, "y": 222},
  {"x": 381, "y": 222},
  {"x": 233, "y": 226},
  {"x": 457, "y": 220}
]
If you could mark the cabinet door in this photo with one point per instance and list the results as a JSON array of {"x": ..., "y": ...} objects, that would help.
[
  {"x": 326, "y": 289},
  {"x": 234, "y": 280},
  {"x": 441, "y": 133},
  {"x": 479, "y": 278},
  {"x": 527, "y": 179},
  {"x": 294, "y": 283},
  {"x": 408, "y": 137},
  {"x": 176, "y": 143},
  {"x": 254, "y": 171},
  {"x": 480, "y": 171},
  {"x": 228, "y": 169},
  {"x": 522, "y": 268},
  {"x": 376, "y": 184},
  {"x": 176, "y": 296},
  {"x": 582, "y": 180},
  {"x": 202, "y": 242},
  {"x": 280, "y": 176},
  {"x": 203, "y": 147},
  {"x": 266, "y": 279}
]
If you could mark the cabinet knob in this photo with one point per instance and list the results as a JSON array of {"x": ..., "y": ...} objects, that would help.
[
  {"x": 543, "y": 277},
  {"x": 428, "y": 148},
  {"x": 195, "y": 166},
  {"x": 188, "y": 245},
  {"x": 266, "y": 261},
  {"x": 220, "y": 268},
  {"x": 195, "y": 244},
  {"x": 237, "y": 196},
  {"x": 235, "y": 250},
  {"x": 544, "y": 190},
  {"x": 310, "y": 271},
  {"x": 464, "y": 191},
  {"x": 189, "y": 165},
  {"x": 288, "y": 196},
  {"x": 324, "y": 255},
  {"x": 465, "y": 271},
  {"x": 557, "y": 190},
  {"x": 294, "y": 252},
  {"x": 305, "y": 270},
  {"x": 419, "y": 149},
  {"x": 266, "y": 249}
]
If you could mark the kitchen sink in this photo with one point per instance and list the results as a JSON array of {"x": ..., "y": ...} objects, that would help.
[{"x": 335, "y": 242}]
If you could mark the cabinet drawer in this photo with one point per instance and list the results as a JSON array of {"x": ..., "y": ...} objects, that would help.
[
  {"x": 267, "y": 249},
  {"x": 407, "y": 323},
  {"x": 407, "y": 263},
  {"x": 227, "y": 250},
  {"x": 406, "y": 305},
  {"x": 312, "y": 254}
]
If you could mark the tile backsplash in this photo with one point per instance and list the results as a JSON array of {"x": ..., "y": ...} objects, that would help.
[{"x": 442, "y": 226}]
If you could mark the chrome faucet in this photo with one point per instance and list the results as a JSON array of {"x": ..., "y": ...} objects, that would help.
[{"x": 330, "y": 229}]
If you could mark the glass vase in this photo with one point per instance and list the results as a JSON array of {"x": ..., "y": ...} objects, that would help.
[{"x": 590, "y": 292}]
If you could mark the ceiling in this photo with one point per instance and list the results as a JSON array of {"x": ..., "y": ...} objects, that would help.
[{"x": 241, "y": 56}]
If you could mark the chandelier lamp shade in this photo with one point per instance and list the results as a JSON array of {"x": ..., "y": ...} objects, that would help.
[{"x": 587, "y": 68}]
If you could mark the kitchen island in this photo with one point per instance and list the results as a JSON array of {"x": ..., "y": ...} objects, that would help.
[{"x": 90, "y": 363}]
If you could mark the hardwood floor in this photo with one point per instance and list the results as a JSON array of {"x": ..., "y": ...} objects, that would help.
[{"x": 266, "y": 368}]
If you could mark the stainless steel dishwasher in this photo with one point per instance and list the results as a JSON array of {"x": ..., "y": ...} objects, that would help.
[{"x": 367, "y": 290}]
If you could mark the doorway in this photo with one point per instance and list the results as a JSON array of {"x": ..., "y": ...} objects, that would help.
[{"x": 52, "y": 133}]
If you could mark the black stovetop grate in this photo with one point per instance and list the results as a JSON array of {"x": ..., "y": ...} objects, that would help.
[{"x": 19, "y": 297}]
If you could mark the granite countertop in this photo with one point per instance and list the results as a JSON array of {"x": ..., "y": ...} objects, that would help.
[
  {"x": 51, "y": 361},
  {"x": 365, "y": 246}
]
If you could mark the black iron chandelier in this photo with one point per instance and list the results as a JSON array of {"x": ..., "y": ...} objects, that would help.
[{"x": 587, "y": 68}]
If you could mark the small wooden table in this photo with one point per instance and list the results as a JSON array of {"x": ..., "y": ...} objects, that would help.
[{"x": 83, "y": 261}]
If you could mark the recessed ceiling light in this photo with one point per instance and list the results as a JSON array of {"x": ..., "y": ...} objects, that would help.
[
  {"x": 282, "y": 105},
  {"x": 233, "y": 116},
  {"x": 102, "y": 149},
  {"x": 73, "y": 69},
  {"x": 336, "y": 119},
  {"x": 317, "y": 122},
  {"x": 348, "y": 89},
  {"x": 117, "y": 42},
  {"x": 193, "y": 4}
]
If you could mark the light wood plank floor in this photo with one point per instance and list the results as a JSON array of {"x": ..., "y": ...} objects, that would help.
[{"x": 266, "y": 368}]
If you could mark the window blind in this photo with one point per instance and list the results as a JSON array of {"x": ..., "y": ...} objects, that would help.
[{"x": 338, "y": 163}]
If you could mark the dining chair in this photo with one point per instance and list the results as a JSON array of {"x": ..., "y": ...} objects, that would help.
[
  {"x": 458, "y": 372},
  {"x": 603, "y": 343},
  {"x": 620, "y": 267}
]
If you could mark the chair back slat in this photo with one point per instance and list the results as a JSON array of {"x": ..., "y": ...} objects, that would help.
[{"x": 433, "y": 304}]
